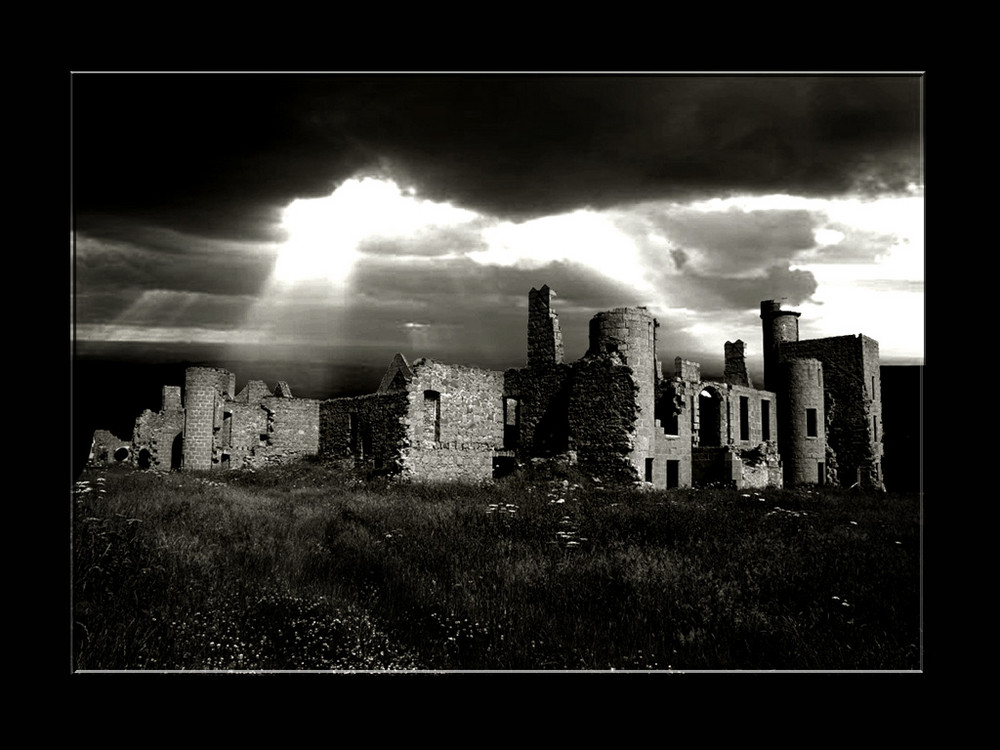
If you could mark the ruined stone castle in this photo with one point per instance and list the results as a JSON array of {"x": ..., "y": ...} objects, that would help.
[{"x": 614, "y": 413}]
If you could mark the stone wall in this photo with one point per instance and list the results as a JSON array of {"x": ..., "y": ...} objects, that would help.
[
  {"x": 158, "y": 439},
  {"x": 541, "y": 403},
  {"x": 602, "y": 414},
  {"x": 248, "y": 434},
  {"x": 853, "y": 403},
  {"x": 456, "y": 421},
  {"x": 612, "y": 412},
  {"x": 676, "y": 400},
  {"x": 292, "y": 427},
  {"x": 107, "y": 448},
  {"x": 736, "y": 372},
  {"x": 545, "y": 344},
  {"x": 368, "y": 431}
]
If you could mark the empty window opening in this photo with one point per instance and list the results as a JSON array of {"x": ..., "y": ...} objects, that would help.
[
  {"x": 227, "y": 429},
  {"x": 875, "y": 428},
  {"x": 262, "y": 440},
  {"x": 145, "y": 459},
  {"x": 821, "y": 479},
  {"x": 366, "y": 440},
  {"x": 504, "y": 466},
  {"x": 673, "y": 474},
  {"x": 121, "y": 454},
  {"x": 744, "y": 418},
  {"x": 710, "y": 410},
  {"x": 765, "y": 420},
  {"x": 225, "y": 461},
  {"x": 355, "y": 430},
  {"x": 432, "y": 416},
  {"x": 811, "y": 423},
  {"x": 511, "y": 419},
  {"x": 649, "y": 470},
  {"x": 666, "y": 411},
  {"x": 177, "y": 451}
]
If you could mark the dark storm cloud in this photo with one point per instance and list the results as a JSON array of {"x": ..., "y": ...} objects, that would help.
[
  {"x": 160, "y": 259},
  {"x": 735, "y": 240},
  {"x": 220, "y": 154},
  {"x": 720, "y": 293},
  {"x": 451, "y": 307}
]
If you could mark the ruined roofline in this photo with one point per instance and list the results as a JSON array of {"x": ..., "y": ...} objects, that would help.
[
  {"x": 425, "y": 361},
  {"x": 849, "y": 337}
]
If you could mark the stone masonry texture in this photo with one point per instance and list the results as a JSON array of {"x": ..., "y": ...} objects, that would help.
[{"x": 613, "y": 413}]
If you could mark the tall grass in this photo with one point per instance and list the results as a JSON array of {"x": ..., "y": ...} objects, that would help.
[{"x": 306, "y": 567}]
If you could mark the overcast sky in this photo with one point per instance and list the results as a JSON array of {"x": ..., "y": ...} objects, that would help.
[{"x": 414, "y": 213}]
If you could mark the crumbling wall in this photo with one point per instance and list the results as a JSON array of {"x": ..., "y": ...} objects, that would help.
[
  {"x": 602, "y": 412},
  {"x": 248, "y": 432},
  {"x": 541, "y": 396},
  {"x": 158, "y": 438},
  {"x": 675, "y": 403},
  {"x": 456, "y": 421},
  {"x": 734, "y": 434},
  {"x": 107, "y": 449},
  {"x": 292, "y": 426},
  {"x": 746, "y": 409},
  {"x": 545, "y": 344},
  {"x": 736, "y": 372},
  {"x": 759, "y": 467},
  {"x": 369, "y": 432}
]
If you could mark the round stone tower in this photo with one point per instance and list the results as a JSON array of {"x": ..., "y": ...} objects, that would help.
[
  {"x": 631, "y": 333},
  {"x": 802, "y": 428},
  {"x": 203, "y": 387},
  {"x": 779, "y": 326}
]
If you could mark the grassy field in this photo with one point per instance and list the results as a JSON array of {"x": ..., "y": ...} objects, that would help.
[{"x": 307, "y": 568}]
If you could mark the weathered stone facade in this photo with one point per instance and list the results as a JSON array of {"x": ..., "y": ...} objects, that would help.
[
  {"x": 612, "y": 413},
  {"x": 213, "y": 429},
  {"x": 831, "y": 402}
]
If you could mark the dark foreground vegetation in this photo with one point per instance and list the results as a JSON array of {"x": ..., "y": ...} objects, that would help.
[{"x": 306, "y": 568}]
